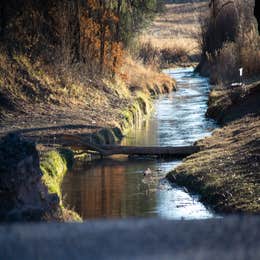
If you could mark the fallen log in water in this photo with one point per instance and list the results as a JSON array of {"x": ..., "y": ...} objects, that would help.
[
  {"x": 77, "y": 142},
  {"x": 160, "y": 151}
]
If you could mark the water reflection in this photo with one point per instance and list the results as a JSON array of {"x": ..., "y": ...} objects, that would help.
[
  {"x": 179, "y": 117},
  {"x": 110, "y": 188},
  {"x": 116, "y": 187}
]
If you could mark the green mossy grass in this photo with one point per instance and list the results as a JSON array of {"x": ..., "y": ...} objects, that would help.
[{"x": 54, "y": 165}]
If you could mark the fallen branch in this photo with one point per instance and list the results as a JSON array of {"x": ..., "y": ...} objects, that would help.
[{"x": 82, "y": 144}]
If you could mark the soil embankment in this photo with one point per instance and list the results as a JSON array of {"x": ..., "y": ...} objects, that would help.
[
  {"x": 226, "y": 105},
  {"x": 226, "y": 170}
]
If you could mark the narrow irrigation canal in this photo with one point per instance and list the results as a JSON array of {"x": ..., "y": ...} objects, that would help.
[{"x": 116, "y": 187}]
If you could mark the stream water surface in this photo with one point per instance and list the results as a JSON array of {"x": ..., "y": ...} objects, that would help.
[{"x": 117, "y": 188}]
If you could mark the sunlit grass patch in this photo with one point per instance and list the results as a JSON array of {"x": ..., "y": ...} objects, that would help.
[{"x": 174, "y": 35}]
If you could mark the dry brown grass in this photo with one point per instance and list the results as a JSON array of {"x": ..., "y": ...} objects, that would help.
[
  {"x": 38, "y": 94},
  {"x": 42, "y": 96},
  {"x": 23, "y": 82},
  {"x": 146, "y": 78},
  {"x": 176, "y": 31},
  {"x": 232, "y": 56},
  {"x": 230, "y": 41},
  {"x": 226, "y": 171}
]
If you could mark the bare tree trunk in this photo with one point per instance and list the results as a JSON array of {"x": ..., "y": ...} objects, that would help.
[
  {"x": 76, "y": 32},
  {"x": 257, "y": 13},
  {"x": 102, "y": 36},
  {"x": 117, "y": 38},
  {"x": 2, "y": 20}
]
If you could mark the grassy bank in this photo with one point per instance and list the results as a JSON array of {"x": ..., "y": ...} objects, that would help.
[
  {"x": 226, "y": 170},
  {"x": 227, "y": 104},
  {"x": 41, "y": 98},
  {"x": 54, "y": 165}
]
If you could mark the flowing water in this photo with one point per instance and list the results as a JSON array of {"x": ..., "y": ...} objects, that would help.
[{"x": 116, "y": 187}]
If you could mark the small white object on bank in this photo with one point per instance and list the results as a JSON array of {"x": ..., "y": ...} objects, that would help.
[
  {"x": 148, "y": 171},
  {"x": 241, "y": 72}
]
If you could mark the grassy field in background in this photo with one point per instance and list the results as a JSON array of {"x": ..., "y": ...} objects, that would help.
[{"x": 177, "y": 31}]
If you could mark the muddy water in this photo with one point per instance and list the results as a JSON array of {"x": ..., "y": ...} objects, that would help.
[{"x": 117, "y": 188}]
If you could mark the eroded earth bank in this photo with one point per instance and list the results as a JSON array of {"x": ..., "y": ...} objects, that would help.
[{"x": 226, "y": 171}]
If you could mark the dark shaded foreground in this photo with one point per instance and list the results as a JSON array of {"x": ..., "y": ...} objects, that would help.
[
  {"x": 227, "y": 238},
  {"x": 23, "y": 195}
]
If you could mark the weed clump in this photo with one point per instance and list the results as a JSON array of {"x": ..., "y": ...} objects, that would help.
[{"x": 229, "y": 40}]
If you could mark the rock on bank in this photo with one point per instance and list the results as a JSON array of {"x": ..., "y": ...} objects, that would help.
[{"x": 23, "y": 196}]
